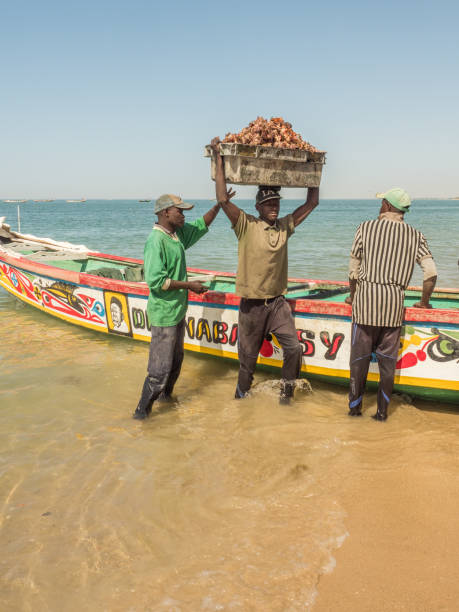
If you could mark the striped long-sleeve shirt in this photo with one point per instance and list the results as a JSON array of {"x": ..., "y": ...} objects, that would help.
[{"x": 387, "y": 250}]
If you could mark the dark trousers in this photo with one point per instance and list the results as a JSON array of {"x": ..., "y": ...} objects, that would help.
[
  {"x": 164, "y": 364},
  {"x": 258, "y": 318},
  {"x": 384, "y": 342}
]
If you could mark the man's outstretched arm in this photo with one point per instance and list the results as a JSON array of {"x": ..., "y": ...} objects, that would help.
[
  {"x": 312, "y": 200},
  {"x": 223, "y": 196}
]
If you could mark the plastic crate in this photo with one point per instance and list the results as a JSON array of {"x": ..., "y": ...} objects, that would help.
[{"x": 258, "y": 165}]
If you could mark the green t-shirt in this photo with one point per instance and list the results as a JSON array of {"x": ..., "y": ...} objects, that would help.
[{"x": 165, "y": 258}]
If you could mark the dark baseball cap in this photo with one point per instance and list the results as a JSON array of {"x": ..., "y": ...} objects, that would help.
[{"x": 266, "y": 193}]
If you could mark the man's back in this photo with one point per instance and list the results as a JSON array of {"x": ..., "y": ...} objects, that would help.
[{"x": 387, "y": 249}]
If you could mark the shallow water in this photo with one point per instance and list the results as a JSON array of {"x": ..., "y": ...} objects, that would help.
[{"x": 212, "y": 504}]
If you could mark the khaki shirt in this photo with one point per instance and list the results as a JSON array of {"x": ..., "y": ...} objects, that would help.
[{"x": 263, "y": 260}]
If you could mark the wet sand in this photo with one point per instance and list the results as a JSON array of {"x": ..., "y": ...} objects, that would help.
[
  {"x": 212, "y": 504},
  {"x": 403, "y": 545}
]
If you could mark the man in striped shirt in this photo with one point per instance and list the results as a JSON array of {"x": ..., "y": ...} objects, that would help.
[{"x": 382, "y": 260}]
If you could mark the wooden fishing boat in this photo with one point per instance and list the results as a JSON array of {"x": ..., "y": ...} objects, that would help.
[{"x": 106, "y": 293}]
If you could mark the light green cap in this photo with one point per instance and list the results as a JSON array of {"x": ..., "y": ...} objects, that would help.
[
  {"x": 168, "y": 199},
  {"x": 397, "y": 197}
]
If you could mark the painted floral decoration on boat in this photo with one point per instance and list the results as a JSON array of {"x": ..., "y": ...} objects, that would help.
[{"x": 440, "y": 346}]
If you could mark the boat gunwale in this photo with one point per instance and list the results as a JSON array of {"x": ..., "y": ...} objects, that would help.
[{"x": 299, "y": 305}]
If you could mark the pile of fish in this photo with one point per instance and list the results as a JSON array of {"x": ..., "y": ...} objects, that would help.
[{"x": 273, "y": 133}]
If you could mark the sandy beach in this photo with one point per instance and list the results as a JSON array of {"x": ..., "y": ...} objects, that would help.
[{"x": 401, "y": 516}]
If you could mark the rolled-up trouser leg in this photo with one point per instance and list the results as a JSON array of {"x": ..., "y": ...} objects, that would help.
[
  {"x": 387, "y": 347},
  {"x": 251, "y": 332},
  {"x": 282, "y": 324},
  {"x": 160, "y": 360},
  {"x": 361, "y": 349}
]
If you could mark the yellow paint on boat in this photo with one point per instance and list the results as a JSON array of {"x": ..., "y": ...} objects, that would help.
[{"x": 331, "y": 372}]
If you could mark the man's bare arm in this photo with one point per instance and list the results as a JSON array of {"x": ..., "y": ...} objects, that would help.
[
  {"x": 223, "y": 196},
  {"x": 312, "y": 200},
  {"x": 211, "y": 214},
  {"x": 195, "y": 286},
  {"x": 427, "y": 289}
]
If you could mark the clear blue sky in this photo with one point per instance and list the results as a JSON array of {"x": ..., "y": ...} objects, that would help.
[{"x": 117, "y": 99}]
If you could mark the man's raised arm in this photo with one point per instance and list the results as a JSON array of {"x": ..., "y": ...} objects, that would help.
[
  {"x": 312, "y": 200},
  {"x": 223, "y": 196},
  {"x": 210, "y": 215}
]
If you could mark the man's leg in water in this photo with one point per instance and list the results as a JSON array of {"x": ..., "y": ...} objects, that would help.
[
  {"x": 177, "y": 360},
  {"x": 282, "y": 324},
  {"x": 386, "y": 352},
  {"x": 253, "y": 315},
  {"x": 160, "y": 360},
  {"x": 362, "y": 338}
]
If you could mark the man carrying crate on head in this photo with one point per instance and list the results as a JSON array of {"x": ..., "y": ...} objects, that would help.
[{"x": 261, "y": 279}]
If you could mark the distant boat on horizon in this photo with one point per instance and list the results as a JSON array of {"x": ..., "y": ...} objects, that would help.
[
  {"x": 16, "y": 201},
  {"x": 82, "y": 200},
  {"x": 144, "y": 200}
]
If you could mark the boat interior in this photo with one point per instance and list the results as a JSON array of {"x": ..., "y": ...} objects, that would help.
[{"x": 69, "y": 257}]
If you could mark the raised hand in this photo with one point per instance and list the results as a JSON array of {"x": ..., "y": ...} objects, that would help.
[
  {"x": 214, "y": 143},
  {"x": 230, "y": 193}
]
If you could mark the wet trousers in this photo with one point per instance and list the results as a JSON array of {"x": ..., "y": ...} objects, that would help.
[
  {"x": 257, "y": 319},
  {"x": 164, "y": 365},
  {"x": 384, "y": 342}
]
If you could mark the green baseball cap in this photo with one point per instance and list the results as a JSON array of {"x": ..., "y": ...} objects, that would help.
[
  {"x": 167, "y": 200},
  {"x": 398, "y": 198}
]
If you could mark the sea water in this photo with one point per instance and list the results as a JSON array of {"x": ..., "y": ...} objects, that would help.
[
  {"x": 211, "y": 504},
  {"x": 318, "y": 249}
]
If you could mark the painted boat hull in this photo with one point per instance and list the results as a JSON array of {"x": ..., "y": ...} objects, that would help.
[{"x": 428, "y": 364}]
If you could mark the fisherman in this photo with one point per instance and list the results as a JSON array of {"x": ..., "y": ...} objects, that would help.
[
  {"x": 166, "y": 276},
  {"x": 381, "y": 264},
  {"x": 261, "y": 279}
]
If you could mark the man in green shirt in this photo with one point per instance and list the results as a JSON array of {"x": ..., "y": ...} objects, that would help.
[
  {"x": 166, "y": 276},
  {"x": 261, "y": 279}
]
